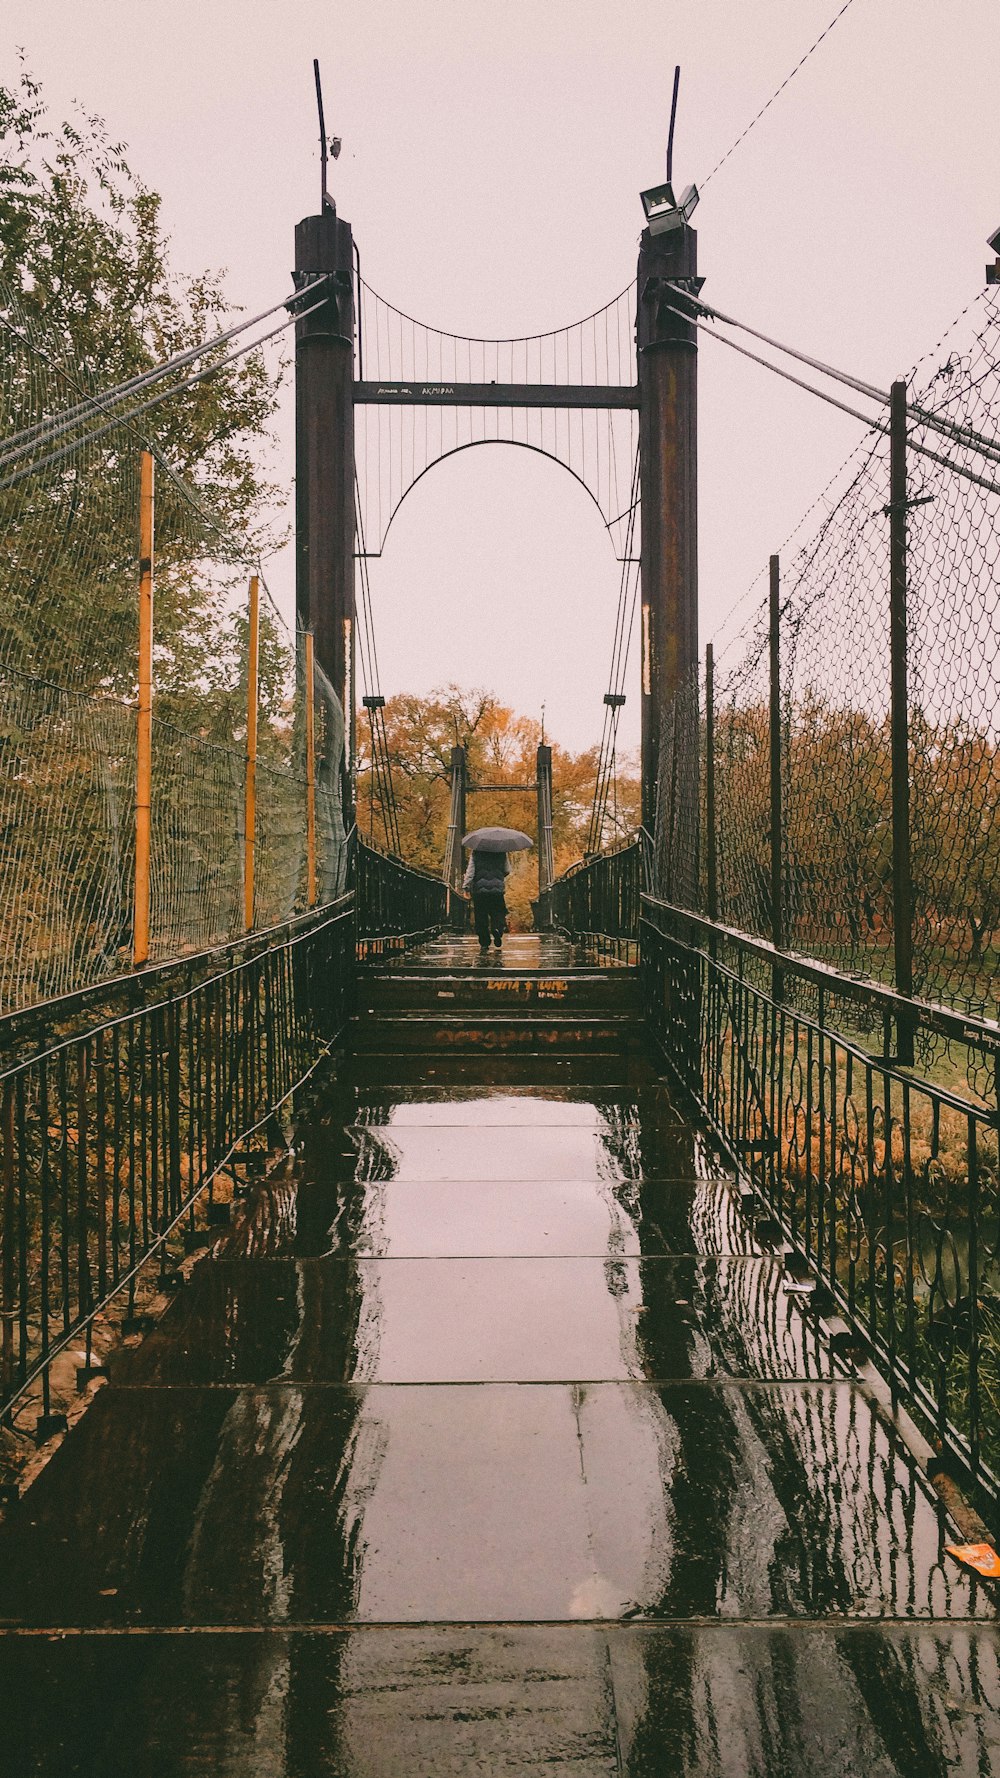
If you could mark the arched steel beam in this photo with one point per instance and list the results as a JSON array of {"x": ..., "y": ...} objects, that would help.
[{"x": 475, "y": 444}]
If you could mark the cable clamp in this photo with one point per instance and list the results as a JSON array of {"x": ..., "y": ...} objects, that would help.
[{"x": 904, "y": 505}]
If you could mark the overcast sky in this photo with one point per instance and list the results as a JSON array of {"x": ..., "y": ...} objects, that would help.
[{"x": 493, "y": 155}]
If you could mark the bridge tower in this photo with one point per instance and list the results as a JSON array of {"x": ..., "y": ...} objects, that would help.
[
  {"x": 668, "y": 402},
  {"x": 324, "y": 464}
]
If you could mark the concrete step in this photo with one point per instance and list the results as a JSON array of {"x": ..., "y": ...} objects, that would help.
[
  {"x": 530, "y": 1033},
  {"x": 594, "y": 1072},
  {"x": 591, "y": 992}
]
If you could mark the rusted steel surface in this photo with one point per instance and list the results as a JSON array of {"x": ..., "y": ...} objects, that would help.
[
  {"x": 324, "y": 457},
  {"x": 668, "y": 458}
]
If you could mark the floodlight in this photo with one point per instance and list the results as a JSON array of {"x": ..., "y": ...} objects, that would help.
[
  {"x": 657, "y": 202},
  {"x": 663, "y": 212},
  {"x": 993, "y": 241},
  {"x": 689, "y": 201},
  {"x": 335, "y": 147}
]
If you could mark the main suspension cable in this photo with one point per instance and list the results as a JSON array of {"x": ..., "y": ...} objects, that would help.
[
  {"x": 128, "y": 418},
  {"x": 55, "y": 425},
  {"x": 832, "y": 400},
  {"x": 960, "y": 434}
]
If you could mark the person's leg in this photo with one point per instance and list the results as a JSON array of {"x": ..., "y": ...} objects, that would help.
[
  {"x": 498, "y": 918},
  {"x": 481, "y": 914}
]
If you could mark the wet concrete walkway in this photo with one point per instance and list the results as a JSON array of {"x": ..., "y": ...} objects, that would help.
[{"x": 490, "y": 1442}]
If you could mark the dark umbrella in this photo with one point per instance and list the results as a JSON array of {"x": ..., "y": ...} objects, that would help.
[{"x": 497, "y": 839}]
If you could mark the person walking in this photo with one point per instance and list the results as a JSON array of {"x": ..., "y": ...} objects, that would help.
[{"x": 486, "y": 877}]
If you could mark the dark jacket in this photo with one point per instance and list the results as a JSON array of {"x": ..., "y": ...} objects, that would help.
[{"x": 487, "y": 873}]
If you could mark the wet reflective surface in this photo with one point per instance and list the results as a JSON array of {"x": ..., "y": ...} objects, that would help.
[
  {"x": 485, "y": 1320},
  {"x": 505, "y": 1502},
  {"x": 576, "y": 1702},
  {"x": 490, "y": 1441}
]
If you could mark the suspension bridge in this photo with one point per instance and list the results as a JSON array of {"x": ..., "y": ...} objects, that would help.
[{"x": 586, "y": 1357}]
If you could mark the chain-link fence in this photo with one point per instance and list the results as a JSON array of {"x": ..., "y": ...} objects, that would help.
[
  {"x": 821, "y": 865},
  {"x": 69, "y": 677}
]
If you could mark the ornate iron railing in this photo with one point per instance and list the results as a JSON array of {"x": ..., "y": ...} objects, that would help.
[
  {"x": 598, "y": 900},
  {"x": 120, "y": 1107},
  {"x": 398, "y": 904},
  {"x": 884, "y": 1180}
]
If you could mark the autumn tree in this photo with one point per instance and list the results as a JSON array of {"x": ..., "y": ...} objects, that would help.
[
  {"x": 501, "y": 751},
  {"x": 90, "y": 298}
]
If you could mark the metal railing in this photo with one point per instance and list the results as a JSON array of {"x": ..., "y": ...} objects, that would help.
[
  {"x": 886, "y": 1182},
  {"x": 120, "y": 1105},
  {"x": 883, "y": 1177},
  {"x": 598, "y": 900},
  {"x": 398, "y": 904}
]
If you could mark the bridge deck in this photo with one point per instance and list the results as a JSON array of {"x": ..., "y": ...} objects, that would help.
[{"x": 489, "y": 1441}]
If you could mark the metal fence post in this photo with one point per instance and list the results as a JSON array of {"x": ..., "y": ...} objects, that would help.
[
  {"x": 777, "y": 825},
  {"x": 454, "y": 867},
  {"x": 711, "y": 852},
  {"x": 543, "y": 796},
  {"x": 250, "y": 788},
  {"x": 144, "y": 717},
  {"x": 902, "y": 882}
]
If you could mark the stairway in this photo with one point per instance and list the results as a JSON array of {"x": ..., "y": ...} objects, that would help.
[{"x": 453, "y": 1002}]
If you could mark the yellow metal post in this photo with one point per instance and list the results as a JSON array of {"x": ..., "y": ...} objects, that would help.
[
  {"x": 250, "y": 802},
  {"x": 144, "y": 725},
  {"x": 310, "y": 695}
]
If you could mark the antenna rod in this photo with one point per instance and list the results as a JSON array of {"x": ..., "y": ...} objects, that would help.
[
  {"x": 673, "y": 120},
  {"x": 323, "y": 200}
]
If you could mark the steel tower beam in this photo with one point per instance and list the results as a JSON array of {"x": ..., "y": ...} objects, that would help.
[
  {"x": 324, "y": 466},
  {"x": 668, "y": 400}
]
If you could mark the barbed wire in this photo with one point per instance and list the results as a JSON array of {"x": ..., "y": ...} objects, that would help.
[{"x": 754, "y": 121}]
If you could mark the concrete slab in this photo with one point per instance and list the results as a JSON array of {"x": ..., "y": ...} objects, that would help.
[
  {"x": 374, "y": 1703},
  {"x": 800, "y": 1701},
  {"x": 721, "y": 1501},
  {"x": 497, "y": 1503},
  {"x": 457, "y": 1152},
  {"x": 482, "y": 1320},
  {"x": 807, "y": 1701}
]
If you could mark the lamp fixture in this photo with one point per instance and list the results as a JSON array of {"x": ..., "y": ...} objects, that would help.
[{"x": 664, "y": 212}]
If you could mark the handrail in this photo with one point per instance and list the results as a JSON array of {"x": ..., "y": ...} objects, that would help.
[
  {"x": 399, "y": 903},
  {"x": 115, "y": 1131},
  {"x": 882, "y": 1178},
  {"x": 960, "y": 1027},
  {"x": 599, "y": 898},
  {"x": 131, "y": 990}
]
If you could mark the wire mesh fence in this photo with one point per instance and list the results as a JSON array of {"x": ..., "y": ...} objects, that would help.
[
  {"x": 836, "y": 871},
  {"x": 69, "y": 674}
]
